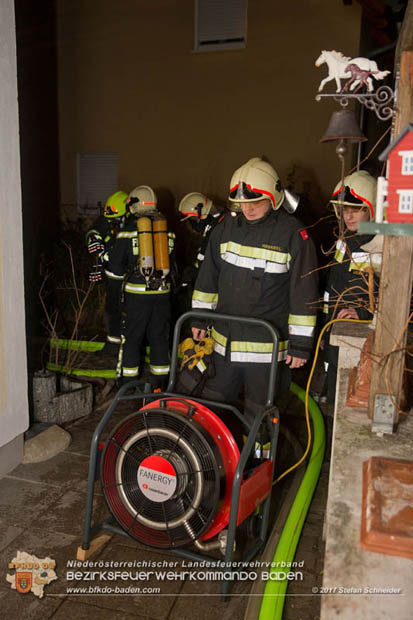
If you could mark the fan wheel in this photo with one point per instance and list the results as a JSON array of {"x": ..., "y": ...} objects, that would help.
[{"x": 163, "y": 477}]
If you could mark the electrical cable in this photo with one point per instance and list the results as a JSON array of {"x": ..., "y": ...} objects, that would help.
[{"x": 307, "y": 391}]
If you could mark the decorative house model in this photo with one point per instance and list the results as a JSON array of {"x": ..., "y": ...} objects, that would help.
[{"x": 399, "y": 186}]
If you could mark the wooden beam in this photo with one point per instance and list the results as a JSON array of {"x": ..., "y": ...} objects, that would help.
[
  {"x": 397, "y": 273},
  {"x": 95, "y": 545}
]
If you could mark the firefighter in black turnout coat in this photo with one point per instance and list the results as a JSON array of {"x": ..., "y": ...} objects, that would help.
[
  {"x": 99, "y": 241},
  {"x": 256, "y": 265},
  {"x": 357, "y": 259},
  {"x": 203, "y": 215},
  {"x": 140, "y": 257}
]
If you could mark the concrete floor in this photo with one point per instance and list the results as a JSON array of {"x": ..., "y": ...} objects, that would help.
[{"x": 42, "y": 511}]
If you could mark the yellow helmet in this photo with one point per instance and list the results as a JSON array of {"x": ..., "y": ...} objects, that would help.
[
  {"x": 358, "y": 190},
  {"x": 115, "y": 205},
  {"x": 195, "y": 204},
  {"x": 256, "y": 180},
  {"x": 142, "y": 201}
]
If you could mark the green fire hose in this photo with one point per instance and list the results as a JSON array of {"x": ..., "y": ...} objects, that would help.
[{"x": 273, "y": 599}]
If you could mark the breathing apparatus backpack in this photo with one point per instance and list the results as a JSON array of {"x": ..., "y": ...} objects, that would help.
[
  {"x": 196, "y": 365},
  {"x": 154, "y": 264}
]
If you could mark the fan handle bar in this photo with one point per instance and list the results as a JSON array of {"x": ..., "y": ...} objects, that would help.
[{"x": 211, "y": 316}]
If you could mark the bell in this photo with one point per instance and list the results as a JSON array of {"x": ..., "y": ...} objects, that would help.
[{"x": 343, "y": 126}]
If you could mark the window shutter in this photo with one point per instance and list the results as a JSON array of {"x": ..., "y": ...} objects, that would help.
[
  {"x": 97, "y": 178},
  {"x": 220, "y": 24}
]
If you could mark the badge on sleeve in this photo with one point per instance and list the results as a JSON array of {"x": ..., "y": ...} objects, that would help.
[{"x": 304, "y": 234}]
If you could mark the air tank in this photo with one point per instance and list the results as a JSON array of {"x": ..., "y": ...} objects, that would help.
[
  {"x": 160, "y": 241},
  {"x": 146, "y": 256}
]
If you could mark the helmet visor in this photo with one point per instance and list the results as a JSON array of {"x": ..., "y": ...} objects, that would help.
[
  {"x": 196, "y": 212},
  {"x": 347, "y": 197},
  {"x": 242, "y": 191},
  {"x": 110, "y": 211}
]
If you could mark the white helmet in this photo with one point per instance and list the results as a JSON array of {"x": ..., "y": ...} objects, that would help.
[
  {"x": 142, "y": 201},
  {"x": 195, "y": 204},
  {"x": 359, "y": 190},
  {"x": 256, "y": 180}
]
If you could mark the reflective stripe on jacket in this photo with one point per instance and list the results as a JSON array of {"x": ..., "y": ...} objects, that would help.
[
  {"x": 260, "y": 270},
  {"x": 347, "y": 283}
]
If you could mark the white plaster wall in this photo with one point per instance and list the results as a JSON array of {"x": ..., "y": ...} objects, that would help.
[{"x": 14, "y": 413}]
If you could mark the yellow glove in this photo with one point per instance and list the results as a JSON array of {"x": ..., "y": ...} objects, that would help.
[{"x": 192, "y": 353}]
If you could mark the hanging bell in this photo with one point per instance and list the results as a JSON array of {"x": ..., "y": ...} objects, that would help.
[{"x": 343, "y": 126}]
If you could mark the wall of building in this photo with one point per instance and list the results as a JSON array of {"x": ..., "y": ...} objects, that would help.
[
  {"x": 183, "y": 121},
  {"x": 39, "y": 157},
  {"x": 13, "y": 373}
]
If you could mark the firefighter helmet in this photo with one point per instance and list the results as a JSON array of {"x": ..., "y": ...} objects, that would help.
[
  {"x": 115, "y": 205},
  {"x": 142, "y": 201},
  {"x": 196, "y": 205},
  {"x": 256, "y": 180},
  {"x": 358, "y": 190}
]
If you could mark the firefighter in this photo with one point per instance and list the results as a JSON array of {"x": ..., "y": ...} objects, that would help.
[
  {"x": 203, "y": 215},
  {"x": 258, "y": 264},
  {"x": 146, "y": 286},
  {"x": 357, "y": 260},
  {"x": 99, "y": 240}
]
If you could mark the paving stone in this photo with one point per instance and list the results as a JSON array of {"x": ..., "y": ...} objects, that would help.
[
  {"x": 157, "y": 605},
  {"x": 22, "y": 502},
  {"x": 302, "y": 608},
  {"x": 27, "y": 606},
  {"x": 44, "y": 515},
  {"x": 8, "y": 533},
  {"x": 305, "y": 586},
  {"x": 309, "y": 559},
  {"x": 42, "y": 543},
  {"x": 84, "y": 611},
  {"x": 81, "y": 440},
  {"x": 315, "y": 517},
  {"x": 204, "y": 600},
  {"x": 62, "y": 471},
  {"x": 67, "y": 513}
]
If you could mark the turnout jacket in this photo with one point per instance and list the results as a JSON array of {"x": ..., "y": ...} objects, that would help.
[
  {"x": 347, "y": 282},
  {"x": 211, "y": 222},
  {"x": 124, "y": 263},
  {"x": 256, "y": 270},
  {"x": 190, "y": 272}
]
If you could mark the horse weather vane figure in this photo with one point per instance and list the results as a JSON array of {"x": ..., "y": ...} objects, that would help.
[{"x": 358, "y": 73}]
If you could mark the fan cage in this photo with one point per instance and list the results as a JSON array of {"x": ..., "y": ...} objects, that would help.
[{"x": 166, "y": 432}]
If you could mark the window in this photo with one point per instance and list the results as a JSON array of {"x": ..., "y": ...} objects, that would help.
[
  {"x": 97, "y": 178},
  {"x": 407, "y": 162},
  {"x": 405, "y": 200},
  {"x": 220, "y": 25}
]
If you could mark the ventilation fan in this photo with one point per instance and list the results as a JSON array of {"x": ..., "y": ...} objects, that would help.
[
  {"x": 167, "y": 473},
  {"x": 172, "y": 474}
]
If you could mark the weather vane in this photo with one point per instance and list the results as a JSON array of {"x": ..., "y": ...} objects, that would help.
[{"x": 358, "y": 73}]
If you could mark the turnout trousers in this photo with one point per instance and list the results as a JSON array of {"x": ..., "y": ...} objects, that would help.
[
  {"x": 251, "y": 379},
  {"x": 113, "y": 310},
  {"x": 146, "y": 315}
]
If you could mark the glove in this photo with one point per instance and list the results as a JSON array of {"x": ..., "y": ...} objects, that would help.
[
  {"x": 95, "y": 275},
  {"x": 95, "y": 245},
  {"x": 191, "y": 353}
]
